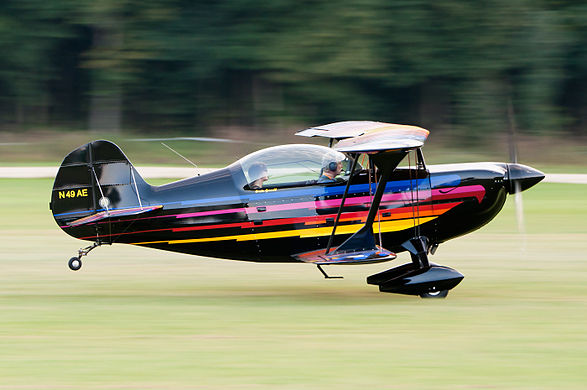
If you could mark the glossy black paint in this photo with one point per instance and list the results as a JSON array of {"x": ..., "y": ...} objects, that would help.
[
  {"x": 217, "y": 215},
  {"x": 470, "y": 215}
]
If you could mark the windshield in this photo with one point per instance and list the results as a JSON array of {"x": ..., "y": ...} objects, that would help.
[{"x": 291, "y": 165}]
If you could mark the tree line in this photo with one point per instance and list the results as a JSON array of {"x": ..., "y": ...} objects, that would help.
[{"x": 468, "y": 68}]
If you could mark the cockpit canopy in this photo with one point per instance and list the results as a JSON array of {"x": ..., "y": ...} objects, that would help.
[{"x": 290, "y": 165}]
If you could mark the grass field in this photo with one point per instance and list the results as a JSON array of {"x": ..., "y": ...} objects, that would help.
[{"x": 135, "y": 318}]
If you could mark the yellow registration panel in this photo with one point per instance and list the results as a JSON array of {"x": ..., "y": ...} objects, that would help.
[{"x": 81, "y": 193}]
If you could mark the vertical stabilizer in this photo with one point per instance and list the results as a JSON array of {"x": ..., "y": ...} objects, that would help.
[{"x": 95, "y": 177}]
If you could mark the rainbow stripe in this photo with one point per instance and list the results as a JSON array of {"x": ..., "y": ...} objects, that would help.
[{"x": 399, "y": 212}]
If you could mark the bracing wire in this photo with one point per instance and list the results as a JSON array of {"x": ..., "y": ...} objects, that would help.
[
  {"x": 132, "y": 171},
  {"x": 418, "y": 192},
  {"x": 412, "y": 192},
  {"x": 180, "y": 155},
  {"x": 378, "y": 214},
  {"x": 100, "y": 188},
  {"x": 105, "y": 205},
  {"x": 369, "y": 174}
]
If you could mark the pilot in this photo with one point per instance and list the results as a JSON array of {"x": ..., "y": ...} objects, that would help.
[
  {"x": 258, "y": 175},
  {"x": 331, "y": 167}
]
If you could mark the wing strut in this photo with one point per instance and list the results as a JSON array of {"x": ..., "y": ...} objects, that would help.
[{"x": 346, "y": 191}]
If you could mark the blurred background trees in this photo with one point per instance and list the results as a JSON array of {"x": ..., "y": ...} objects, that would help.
[{"x": 191, "y": 66}]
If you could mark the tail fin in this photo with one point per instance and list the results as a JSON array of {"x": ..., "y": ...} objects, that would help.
[{"x": 96, "y": 177}]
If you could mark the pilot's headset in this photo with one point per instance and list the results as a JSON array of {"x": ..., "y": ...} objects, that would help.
[{"x": 331, "y": 160}]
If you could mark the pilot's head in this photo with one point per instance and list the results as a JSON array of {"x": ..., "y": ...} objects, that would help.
[
  {"x": 257, "y": 175},
  {"x": 332, "y": 163}
]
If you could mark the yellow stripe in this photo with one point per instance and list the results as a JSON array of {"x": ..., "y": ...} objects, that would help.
[{"x": 387, "y": 226}]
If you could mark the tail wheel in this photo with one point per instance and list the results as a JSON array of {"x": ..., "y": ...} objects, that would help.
[
  {"x": 75, "y": 263},
  {"x": 435, "y": 294}
]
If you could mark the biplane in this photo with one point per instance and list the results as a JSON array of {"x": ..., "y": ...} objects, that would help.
[{"x": 350, "y": 203}]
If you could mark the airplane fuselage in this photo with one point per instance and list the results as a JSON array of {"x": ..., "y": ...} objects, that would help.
[{"x": 215, "y": 215}]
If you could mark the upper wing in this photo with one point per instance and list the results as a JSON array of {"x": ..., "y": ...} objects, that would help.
[{"x": 368, "y": 136}]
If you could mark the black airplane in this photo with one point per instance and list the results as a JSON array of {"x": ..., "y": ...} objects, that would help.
[{"x": 348, "y": 204}]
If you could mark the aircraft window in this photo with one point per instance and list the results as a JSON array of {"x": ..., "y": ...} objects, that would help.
[{"x": 291, "y": 165}]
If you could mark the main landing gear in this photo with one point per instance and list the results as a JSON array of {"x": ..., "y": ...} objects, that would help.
[
  {"x": 75, "y": 263},
  {"x": 420, "y": 277}
]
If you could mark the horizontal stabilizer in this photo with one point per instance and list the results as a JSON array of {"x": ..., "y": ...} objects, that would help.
[
  {"x": 359, "y": 257},
  {"x": 113, "y": 213}
]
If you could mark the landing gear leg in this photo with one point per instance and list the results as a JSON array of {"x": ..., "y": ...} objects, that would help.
[
  {"x": 75, "y": 263},
  {"x": 419, "y": 248}
]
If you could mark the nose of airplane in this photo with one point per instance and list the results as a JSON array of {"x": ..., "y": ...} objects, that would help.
[{"x": 521, "y": 177}]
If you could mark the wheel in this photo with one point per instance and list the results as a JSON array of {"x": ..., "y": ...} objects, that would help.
[
  {"x": 74, "y": 263},
  {"x": 435, "y": 294}
]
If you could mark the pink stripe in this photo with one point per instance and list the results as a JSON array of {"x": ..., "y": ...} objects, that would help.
[
  {"x": 205, "y": 213},
  {"x": 476, "y": 190}
]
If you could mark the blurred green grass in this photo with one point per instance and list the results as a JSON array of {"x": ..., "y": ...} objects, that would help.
[{"x": 135, "y": 318}]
